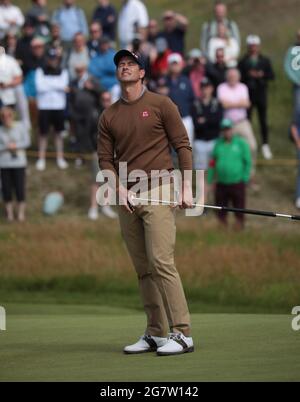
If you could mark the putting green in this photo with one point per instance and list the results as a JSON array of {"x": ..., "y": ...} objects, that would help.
[{"x": 84, "y": 343}]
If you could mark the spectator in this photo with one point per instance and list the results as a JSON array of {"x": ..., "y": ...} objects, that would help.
[
  {"x": 79, "y": 54},
  {"x": 106, "y": 15},
  {"x": 295, "y": 134},
  {"x": 35, "y": 56},
  {"x": 217, "y": 71},
  {"x": 84, "y": 108},
  {"x": 230, "y": 167},
  {"x": 95, "y": 35},
  {"x": 23, "y": 43},
  {"x": 39, "y": 15},
  {"x": 174, "y": 29},
  {"x": 234, "y": 97},
  {"x": 196, "y": 70},
  {"x": 210, "y": 29},
  {"x": 10, "y": 77},
  {"x": 71, "y": 20},
  {"x": 133, "y": 18},
  {"x": 51, "y": 85},
  {"x": 56, "y": 41},
  {"x": 11, "y": 18},
  {"x": 207, "y": 114},
  {"x": 102, "y": 66},
  {"x": 145, "y": 50},
  {"x": 14, "y": 139},
  {"x": 106, "y": 101},
  {"x": 160, "y": 65},
  {"x": 223, "y": 41},
  {"x": 34, "y": 60},
  {"x": 10, "y": 44},
  {"x": 181, "y": 92},
  {"x": 152, "y": 31},
  {"x": 256, "y": 70}
]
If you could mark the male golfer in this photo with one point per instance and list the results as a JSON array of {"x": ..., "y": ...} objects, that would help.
[{"x": 139, "y": 129}]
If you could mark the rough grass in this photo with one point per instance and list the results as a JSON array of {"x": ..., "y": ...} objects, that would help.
[{"x": 255, "y": 268}]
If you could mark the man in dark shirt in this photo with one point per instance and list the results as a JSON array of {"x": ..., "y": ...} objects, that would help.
[
  {"x": 174, "y": 29},
  {"x": 207, "y": 115},
  {"x": 180, "y": 91},
  {"x": 256, "y": 71},
  {"x": 23, "y": 49},
  {"x": 93, "y": 43},
  {"x": 106, "y": 14},
  {"x": 217, "y": 71}
]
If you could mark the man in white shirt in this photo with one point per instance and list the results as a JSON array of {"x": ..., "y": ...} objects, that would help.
[
  {"x": 10, "y": 77},
  {"x": 133, "y": 17},
  {"x": 11, "y": 18}
]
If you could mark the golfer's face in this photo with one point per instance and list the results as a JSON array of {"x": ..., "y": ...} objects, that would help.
[{"x": 129, "y": 71}]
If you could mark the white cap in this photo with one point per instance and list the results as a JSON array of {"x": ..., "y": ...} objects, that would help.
[
  {"x": 253, "y": 40},
  {"x": 175, "y": 58},
  {"x": 195, "y": 53}
]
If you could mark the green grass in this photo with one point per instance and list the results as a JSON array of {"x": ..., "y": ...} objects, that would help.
[{"x": 84, "y": 343}]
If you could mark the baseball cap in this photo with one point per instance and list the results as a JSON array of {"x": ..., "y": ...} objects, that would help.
[
  {"x": 175, "y": 58},
  {"x": 205, "y": 82},
  {"x": 225, "y": 124},
  {"x": 195, "y": 53},
  {"x": 126, "y": 53},
  {"x": 37, "y": 41},
  {"x": 253, "y": 40},
  {"x": 52, "y": 53}
]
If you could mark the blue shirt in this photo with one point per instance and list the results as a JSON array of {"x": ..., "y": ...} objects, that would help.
[
  {"x": 181, "y": 93},
  {"x": 71, "y": 20},
  {"x": 103, "y": 68}
]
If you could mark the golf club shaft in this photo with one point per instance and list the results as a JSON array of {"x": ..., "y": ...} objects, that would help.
[{"x": 240, "y": 210}]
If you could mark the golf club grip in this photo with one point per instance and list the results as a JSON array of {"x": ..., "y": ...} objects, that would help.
[{"x": 295, "y": 217}]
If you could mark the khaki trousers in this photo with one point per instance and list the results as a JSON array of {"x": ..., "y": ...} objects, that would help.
[
  {"x": 244, "y": 129},
  {"x": 149, "y": 234}
]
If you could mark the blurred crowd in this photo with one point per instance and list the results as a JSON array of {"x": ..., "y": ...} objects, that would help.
[{"x": 57, "y": 74}]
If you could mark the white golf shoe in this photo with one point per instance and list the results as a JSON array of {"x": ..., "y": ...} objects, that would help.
[
  {"x": 146, "y": 343},
  {"x": 176, "y": 345}
]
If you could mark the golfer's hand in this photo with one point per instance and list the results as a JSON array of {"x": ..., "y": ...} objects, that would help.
[
  {"x": 125, "y": 198},
  {"x": 186, "y": 200}
]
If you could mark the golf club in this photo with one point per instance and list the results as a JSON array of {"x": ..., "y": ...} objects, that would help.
[{"x": 243, "y": 211}]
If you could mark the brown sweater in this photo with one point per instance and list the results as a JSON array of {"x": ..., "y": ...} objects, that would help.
[{"x": 141, "y": 133}]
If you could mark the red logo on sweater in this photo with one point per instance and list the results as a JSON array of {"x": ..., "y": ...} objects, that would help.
[{"x": 145, "y": 114}]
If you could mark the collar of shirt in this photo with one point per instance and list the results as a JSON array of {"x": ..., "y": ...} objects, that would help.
[{"x": 142, "y": 93}]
